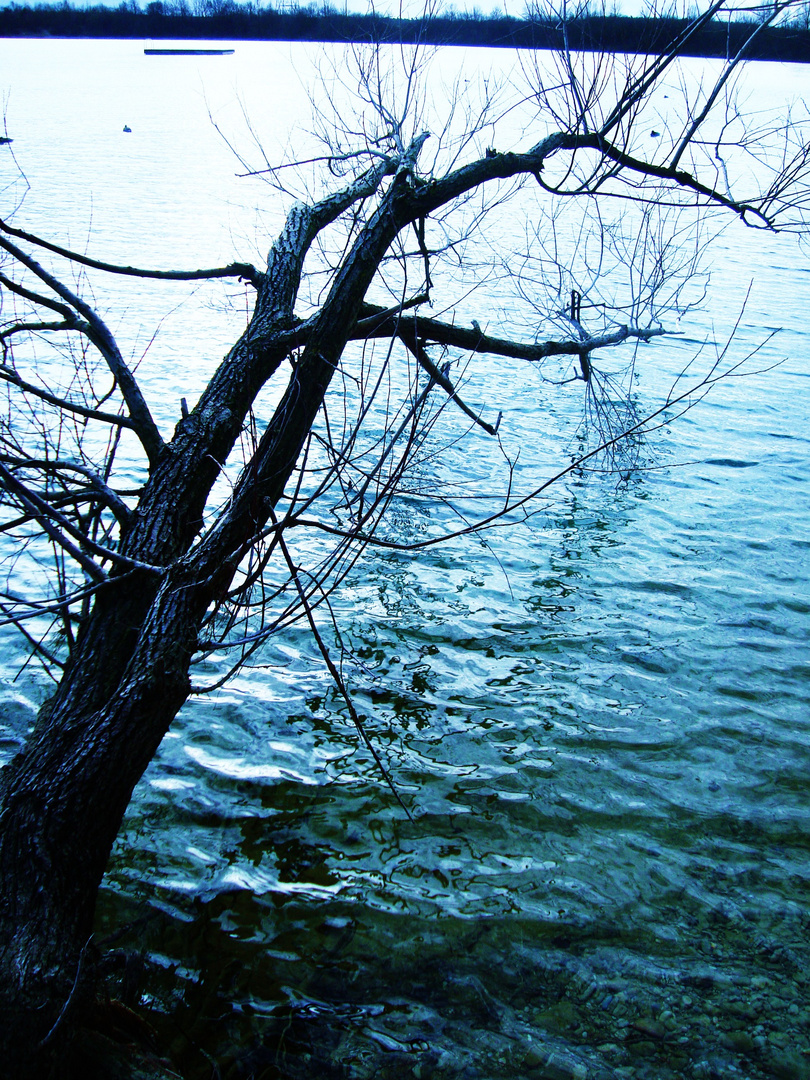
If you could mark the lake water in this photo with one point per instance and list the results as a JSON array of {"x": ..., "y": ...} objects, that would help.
[{"x": 600, "y": 721}]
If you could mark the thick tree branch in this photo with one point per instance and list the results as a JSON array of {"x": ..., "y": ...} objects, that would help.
[
  {"x": 416, "y": 328},
  {"x": 205, "y": 437},
  {"x": 417, "y": 349},
  {"x": 56, "y": 525},
  {"x": 101, "y": 491},
  {"x": 69, "y": 316},
  {"x": 428, "y": 197},
  {"x": 32, "y": 328},
  {"x": 97, "y": 331},
  {"x": 240, "y": 270},
  {"x": 10, "y": 376},
  {"x": 681, "y": 179},
  {"x": 285, "y": 261},
  {"x": 263, "y": 480}
]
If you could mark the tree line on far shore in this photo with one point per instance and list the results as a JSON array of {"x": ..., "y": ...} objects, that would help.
[{"x": 218, "y": 19}]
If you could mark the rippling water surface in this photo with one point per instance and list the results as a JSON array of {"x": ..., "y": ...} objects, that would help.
[{"x": 599, "y": 719}]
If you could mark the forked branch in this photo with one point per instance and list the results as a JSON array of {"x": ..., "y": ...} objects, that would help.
[{"x": 100, "y": 335}]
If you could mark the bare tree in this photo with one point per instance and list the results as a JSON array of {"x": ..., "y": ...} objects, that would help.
[{"x": 131, "y": 552}]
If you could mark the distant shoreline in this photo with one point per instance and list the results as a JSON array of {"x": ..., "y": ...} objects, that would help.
[{"x": 612, "y": 34}]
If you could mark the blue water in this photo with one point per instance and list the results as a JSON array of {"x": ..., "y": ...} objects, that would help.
[{"x": 597, "y": 718}]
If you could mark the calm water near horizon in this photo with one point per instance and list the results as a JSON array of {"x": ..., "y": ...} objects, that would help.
[{"x": 599, "y": 719}]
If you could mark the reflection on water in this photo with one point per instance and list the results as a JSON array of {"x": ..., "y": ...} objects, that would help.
[{"x": 600, "y": 724}]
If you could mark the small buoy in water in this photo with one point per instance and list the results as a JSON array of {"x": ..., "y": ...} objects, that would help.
[{"x": 127, "y": 128}]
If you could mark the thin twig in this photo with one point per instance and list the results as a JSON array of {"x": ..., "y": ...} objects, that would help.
[{"x": 336, "y": 676}]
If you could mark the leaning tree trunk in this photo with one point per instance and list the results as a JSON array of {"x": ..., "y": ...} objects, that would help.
[
  {"x": 64, "y": 796},
  {"x": 64, "y": 802}
]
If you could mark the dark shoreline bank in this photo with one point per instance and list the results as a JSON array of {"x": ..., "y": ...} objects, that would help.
[{"x": 619, "y": 34}]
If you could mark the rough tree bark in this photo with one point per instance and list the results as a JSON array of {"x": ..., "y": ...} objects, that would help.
[{"x": 127, "y": 673}]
